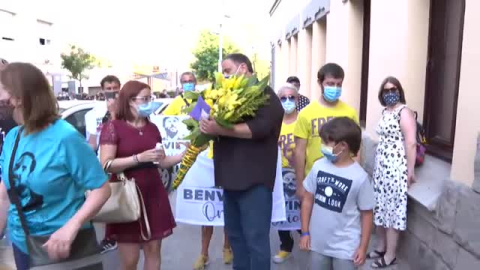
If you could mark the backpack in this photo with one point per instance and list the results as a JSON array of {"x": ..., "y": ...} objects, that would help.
[{"x": 421, "y": 143}]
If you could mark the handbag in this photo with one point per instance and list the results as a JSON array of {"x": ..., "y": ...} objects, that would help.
[
  {"x": 125, "y": 204},
  {"x": 84, "y": 252}
]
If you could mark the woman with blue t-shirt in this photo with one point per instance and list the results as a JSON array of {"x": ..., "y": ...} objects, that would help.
[{"x": 50, "y": 166}]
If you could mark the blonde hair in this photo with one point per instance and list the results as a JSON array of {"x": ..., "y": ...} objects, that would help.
[{"x": 285, "y": 87}]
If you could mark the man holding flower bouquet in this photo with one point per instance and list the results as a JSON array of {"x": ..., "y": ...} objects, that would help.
[{"x": 245, "y": 161}]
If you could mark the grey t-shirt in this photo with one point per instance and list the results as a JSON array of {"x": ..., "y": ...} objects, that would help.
[{"x": 339, "y": 196}]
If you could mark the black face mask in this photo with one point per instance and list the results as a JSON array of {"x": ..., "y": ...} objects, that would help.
[
  {"x": 6, "y": 110},
  {"x": 111, "y": 95}
]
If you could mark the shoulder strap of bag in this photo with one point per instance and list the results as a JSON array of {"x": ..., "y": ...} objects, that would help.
[
  {"x": 185, "y": 100},
  {"x": 13, "y": 192}
]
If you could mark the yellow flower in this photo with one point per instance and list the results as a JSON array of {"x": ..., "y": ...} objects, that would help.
[
  {"x": 222, "y": 100},
  {"x": 209, "y": 102},
  {"x": 208, "y": 93},
  {"x": 213, "y": 94}
]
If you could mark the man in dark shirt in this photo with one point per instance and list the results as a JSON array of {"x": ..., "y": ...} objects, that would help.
[
  {"x": 303, "y": 101},
  {"x": 245, "y": 160}
]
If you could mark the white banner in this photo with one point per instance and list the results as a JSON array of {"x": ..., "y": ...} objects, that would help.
[
  {"x": 199, "y": 203},
  {"x": 173, "y": 130},
  {"x": 292, "y": 203}
]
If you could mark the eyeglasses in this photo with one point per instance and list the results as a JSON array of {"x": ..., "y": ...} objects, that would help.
[
  {"x": 390, "y": 90},
  {"x": 291, "y": 98},
  {"x": 145, "y": 98}
]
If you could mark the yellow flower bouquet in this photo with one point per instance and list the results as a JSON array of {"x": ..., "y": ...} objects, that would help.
[{"x": 229, "y": 102}]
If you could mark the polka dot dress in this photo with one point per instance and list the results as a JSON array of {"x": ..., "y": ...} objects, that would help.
[
  {"x": 390, "y": 174},
  {"x": 303, "y": 101}
]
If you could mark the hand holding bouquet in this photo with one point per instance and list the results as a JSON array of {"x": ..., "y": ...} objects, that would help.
[{"x": 230, "y": 102}]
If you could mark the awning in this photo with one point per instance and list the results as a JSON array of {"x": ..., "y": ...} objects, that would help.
[{"x": 314, "y": 11}]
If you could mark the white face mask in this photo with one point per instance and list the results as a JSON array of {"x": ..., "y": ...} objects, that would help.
[{"x": 235, "y": 74}]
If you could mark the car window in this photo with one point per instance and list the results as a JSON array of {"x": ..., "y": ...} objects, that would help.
[{"x": 77, "y": 120}]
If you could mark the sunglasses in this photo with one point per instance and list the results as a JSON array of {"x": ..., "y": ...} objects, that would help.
[
  {"x": 291, "y": 98},
  {"x": 390, "y": 90}
]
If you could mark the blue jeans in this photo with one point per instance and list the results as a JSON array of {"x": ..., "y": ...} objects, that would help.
[
  {"x": 21, "y": 259},
  {"x": 248, "y": 217}
]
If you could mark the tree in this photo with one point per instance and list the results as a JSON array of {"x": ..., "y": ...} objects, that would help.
[
  {"x": 206, "y": 54},
  {"x": 77, "y": 62}
]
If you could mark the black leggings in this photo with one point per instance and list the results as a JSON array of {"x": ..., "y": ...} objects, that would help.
[{"x": 286, "y": 240}]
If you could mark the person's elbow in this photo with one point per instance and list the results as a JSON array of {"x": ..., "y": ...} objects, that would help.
[
  {"x": 259, "y": 130},
  {"x": 104, "y": 193}
]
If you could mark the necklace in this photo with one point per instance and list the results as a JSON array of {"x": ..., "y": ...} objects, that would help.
[{"x": 139, "y": 129}]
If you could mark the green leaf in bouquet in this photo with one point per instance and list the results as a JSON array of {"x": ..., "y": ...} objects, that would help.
[
  {"x": 190, "y": 122},
  {"x": 264, "y": 82},
  {"x": 189, "y": 109},
  {"x": 202, "y": 140},
  {"x": 195, "y": 133},
  {"x": 191, "y": 95},
  {"x": 224, "y": 123}
]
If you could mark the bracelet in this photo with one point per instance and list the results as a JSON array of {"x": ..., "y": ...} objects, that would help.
[
  {"x": 135, "y": 158},
  {"x": 305, "y": 234}
]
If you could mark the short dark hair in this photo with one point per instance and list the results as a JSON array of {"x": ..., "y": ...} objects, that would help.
[
  {"x": 398, "y": 85},
  {"x": 293, "y": 79},
  {"x": 239, "y": 58},
  {"x": 330, "y": 69},
  {"x": 343, "y": 129},
  {"x": 110, "y": 78},
  {"x": 189, "y": 73}
]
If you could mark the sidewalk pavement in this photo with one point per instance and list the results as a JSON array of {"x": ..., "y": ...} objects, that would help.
[{"x": 180, "y": 251}]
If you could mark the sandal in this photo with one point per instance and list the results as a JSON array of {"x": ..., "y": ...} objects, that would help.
[
  {"x": 375, "y": 254},
  {"x": 381, "y": 263}
]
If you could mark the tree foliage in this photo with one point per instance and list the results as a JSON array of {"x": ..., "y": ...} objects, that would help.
[
  {"x": 77, "y": 62},
  {"x": 206, "y": 55}
]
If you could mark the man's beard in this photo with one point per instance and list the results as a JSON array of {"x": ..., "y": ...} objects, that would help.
[{"x": 171, "y": 133}]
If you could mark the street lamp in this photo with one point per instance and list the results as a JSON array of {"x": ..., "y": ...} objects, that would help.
[{"x": 220, "y": 43}]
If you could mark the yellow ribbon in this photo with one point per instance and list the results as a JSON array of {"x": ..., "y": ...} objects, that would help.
[{"x": 210, "y": 150}]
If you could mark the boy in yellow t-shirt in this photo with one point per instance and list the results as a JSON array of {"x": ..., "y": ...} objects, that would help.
[{"x": 311, "y": 119}]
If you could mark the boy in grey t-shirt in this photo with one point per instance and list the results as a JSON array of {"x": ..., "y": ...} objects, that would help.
[{"x": 337, "y": 210}]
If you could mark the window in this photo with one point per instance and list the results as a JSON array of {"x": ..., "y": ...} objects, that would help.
[
  {"x": 7, "y": 25},
  {"x": 443, "y": 74},
  {"x": 77, "y": 120}
]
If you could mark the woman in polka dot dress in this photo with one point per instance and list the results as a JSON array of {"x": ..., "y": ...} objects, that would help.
[{"x": 394, "y": 170}]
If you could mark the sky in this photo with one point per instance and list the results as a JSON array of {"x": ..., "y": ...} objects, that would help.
[{"x": 161, "y": 32}]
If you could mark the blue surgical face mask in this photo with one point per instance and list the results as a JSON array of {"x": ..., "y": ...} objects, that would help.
[
  {"x": 332, "y": 93},
  {"x": 188, "y": 87},
  {"x": 289, "y": 106},
  {"x": 146, "y": 109},
  {"x": 327, "y": 152},
  {"x": 391, "y": 99}
]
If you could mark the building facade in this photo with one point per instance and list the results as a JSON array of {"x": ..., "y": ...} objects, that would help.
[{"x": 433, "y": 48}]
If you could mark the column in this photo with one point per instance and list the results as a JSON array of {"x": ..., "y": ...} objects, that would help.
[
  {"x": 304, "y": 62},
  {"x": 319, "y": 49}
]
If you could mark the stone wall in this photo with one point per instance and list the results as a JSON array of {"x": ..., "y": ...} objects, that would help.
[{"x": 447, "y": 238}]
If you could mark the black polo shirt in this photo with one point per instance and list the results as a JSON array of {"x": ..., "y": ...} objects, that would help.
[{"x": 243, "y": 163}]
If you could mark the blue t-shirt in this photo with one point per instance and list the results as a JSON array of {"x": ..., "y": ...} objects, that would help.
[{"x": 52, "y": 170}]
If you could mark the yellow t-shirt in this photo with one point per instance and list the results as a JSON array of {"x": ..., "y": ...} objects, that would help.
[
  {"x": 309, "y": 122},
  {"x": 287, "y": 142},
  {"x": 176, "y": 107}
]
